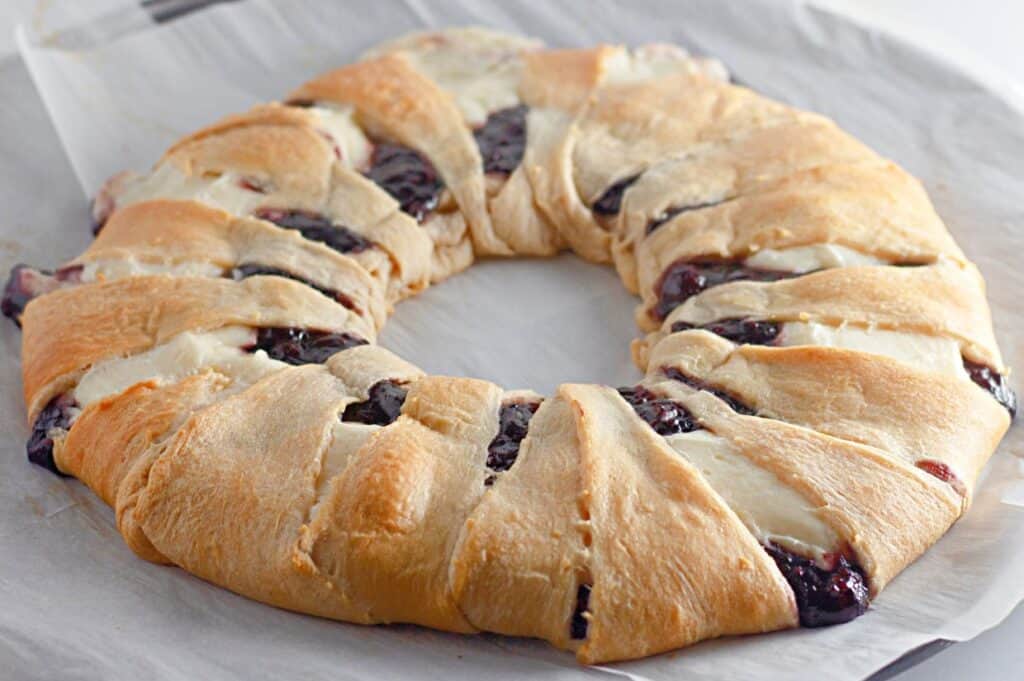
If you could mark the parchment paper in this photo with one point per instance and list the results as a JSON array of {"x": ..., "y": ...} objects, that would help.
[{"x": 75, "y": 603}]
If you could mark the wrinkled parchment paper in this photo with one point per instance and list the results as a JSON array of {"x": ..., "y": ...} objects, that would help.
[{"x": 78, "y": 604}]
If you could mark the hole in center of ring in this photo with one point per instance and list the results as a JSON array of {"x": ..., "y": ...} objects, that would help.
[{"x": 524, "y": 323}]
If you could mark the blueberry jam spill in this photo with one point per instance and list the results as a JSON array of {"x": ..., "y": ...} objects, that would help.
[
  {"x": 26, "y": 283},
  {"x": 944, "y": 473},
  {"x": 578, "y": 625},
  {"x": 245, "y": 271},
  {"x": 502, "y": 140},
  {"x": 316, "y": 227},
  {"x": 302, "y": 346},
  {"x": 683, "y": 279},
  {"x": 823, "y": 596},
  {"x": 735, "y": 404},
  {"x": 408, "y": 176},
  {"x": 743, "y": 331},
  {"x": 992, "y": 381},
  {"x": 382, "y": 407},
  {"x": 513, "y": 423},
  {"x": 610, "y": 202},
  {"x": 665, "y": 416},
  {"x": 57, "y": 414},
  {"x": 678, "y": 210}
]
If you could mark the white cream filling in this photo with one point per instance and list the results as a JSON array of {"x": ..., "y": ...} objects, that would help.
[
  {"x": 771, "y": 511},
  {"x": 930, "y": 353},
  {"x": 167, "y": 182},
  {"x": 347, "y": 439},
  {"x": 184, "y": 355},
  {"x": 338, "y": 122},
  {"x": 100, "y": 270},
  {"x": 481, "y": 69},
  {"x": 656, "y": 60},
  {"x": 809, "y": 258}
]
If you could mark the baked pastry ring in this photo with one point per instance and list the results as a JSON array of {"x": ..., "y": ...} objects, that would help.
[{"x": 821, "y": 385}]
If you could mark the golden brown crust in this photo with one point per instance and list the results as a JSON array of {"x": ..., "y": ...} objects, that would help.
[
  {"x": 912, "y": 414},
  {"x": 394, "y": 100},
  {"x": 69, "y": 330}
]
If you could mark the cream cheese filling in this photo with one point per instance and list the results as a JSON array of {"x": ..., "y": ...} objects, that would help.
[
  {"x": 338, "y": 122},
  {"x": 100, "y": 270},
  {"x": 929, "y": 353},
  {"x": 771, "y": 511},
  {"x": 181, "y": 356},
  {"x": 167, "y": 182},
  {"x": 810, "y": 258}
]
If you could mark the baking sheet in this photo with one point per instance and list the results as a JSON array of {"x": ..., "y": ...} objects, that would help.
[{"x": 78, "y": 604}]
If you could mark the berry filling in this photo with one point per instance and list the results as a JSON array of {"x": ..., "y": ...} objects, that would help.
[
  {"x": 254, "y": 184},
  {"x": 678, "y": 210},
  {"x": 26, "y": 283},
  {"x": 502, "y": 140},
  {"x": 301, "y": 346},
  {"x": 244, "y": 271},
  {"x": 578, "y": 625},
  {"x": 743, "y": 331},
  {"x": 610, "y": 202},
  {"x": 513, "y": 423},
  {"x": 943, "y": 473},
  {"x": 383, "y": 406},
  {"x": 408, "y": 176},
  {"x": 992, "y": 381},
  {"x": 56, "y": 415},
  {"x": 824, "y": 596},
  {"x": 735, "y": 404},
  {"x": 316, "y": 227},
  {"x": 683, "y": 279},
  {"x": 665, "y": 416}
]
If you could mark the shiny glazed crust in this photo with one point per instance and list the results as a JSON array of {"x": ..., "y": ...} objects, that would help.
[{"x": 260, "y": 487}]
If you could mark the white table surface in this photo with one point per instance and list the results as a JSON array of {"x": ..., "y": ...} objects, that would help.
[{"x": 985, "y": 33}]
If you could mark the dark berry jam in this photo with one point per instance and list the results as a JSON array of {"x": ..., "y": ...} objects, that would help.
[
  {"x": 578, "y": 625},
  {"x": 26, "y": 283},
  {"x": 678, "y": 210},
  {"x": 316, "y": 227},
  {"x": 683, "y": 279},
  {"x": 383, "y": 406},
  {"x": 302, "y": 346},
  {"x": 502, "y": 140},
  {"x": 513, "y": 423},
  {"x": 665, "y": 416},
  {"x": 943, "y": 473},
  {"x": 735, "y": 404},
  {"x": 244, "y": 271},
  {"x": 56, "y": 415},
  {"x": 408, "y": 176},
  {"x": 743, "y": 331},
  {"x": 823, "y": 596},
  {"x": 610, "y": 202},
  {"x": 992, "y": 381}
]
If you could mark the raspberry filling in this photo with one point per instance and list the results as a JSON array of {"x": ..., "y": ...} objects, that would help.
[
  {"x": 513, "y": 424},
  {"x": 734, "y": 403},
  {"x": 382, "y": 407},
  {"x": 408, "y": 176},
  {"x": 743, "y": 331},
  {"x": 610, "y": 202},
  {"x": 26, "y": 283},
  {"x": 301, "y": 346},
  {"x": 824, "y": 596},
  {"x": 502, "y": 140},
  {"x": 994, "y": 382},
  {"x": 684, "y": 279},
  {"x": 579, "y": 622},
  {"x": 678, "y": 210},
  {"x": 56, "y": 415},
  {"x": 944, "y": 473},
  {"x": 316, "y": 227},
  {"x": 665, "y": 416},
  {"x": 244, "y": 271}
]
